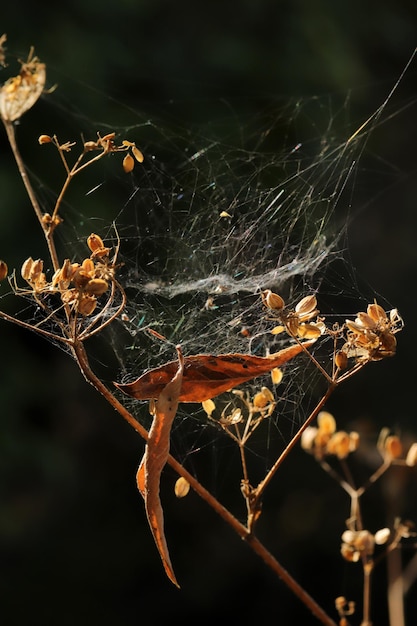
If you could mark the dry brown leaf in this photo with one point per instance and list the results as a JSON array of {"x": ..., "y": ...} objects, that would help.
[
  {"x": 156, "y": 454},
  {"x": 206, "y": 376}
]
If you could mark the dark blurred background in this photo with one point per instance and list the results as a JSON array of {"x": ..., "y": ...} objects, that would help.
[{"x": 74, "y": 543}]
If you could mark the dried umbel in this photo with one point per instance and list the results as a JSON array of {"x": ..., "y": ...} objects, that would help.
[
  {"x": 19, "y": 93},
  {"x": 102, "y": 145},
  {"x": 371, "y": 336},
  {"x": 299, "y": 322},
  {"x": 325, "y": 440},
  {"x": 78, "y": 285}
]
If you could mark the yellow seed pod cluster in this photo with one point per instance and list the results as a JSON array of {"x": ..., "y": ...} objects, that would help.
[
  {"x": 79, "y": 285},
  {"x": 298, "y": 322},
  {"x": 325, "y": 439}
]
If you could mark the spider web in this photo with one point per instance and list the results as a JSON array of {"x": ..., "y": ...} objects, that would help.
[{"x": 217, "y": 213}]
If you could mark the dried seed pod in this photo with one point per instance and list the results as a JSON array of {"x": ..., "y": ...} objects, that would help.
[
  {"x": 309, "y": 331},
  {"x": 381, "y": 536},
  {"x": 182, "y": 487},
  {"x": 19, "y": 93},
  {"x": 36, "y": 270},
  {"x": 44, "y": 139},
  {"x": 86, "y": 305},
  {"x": 326, "y": 422},
  {"x": 95, "y": 242},
  {"x": 376, "y": 312},
  {"x": 3, "y": 270},
  {"x": 272, "y": 300},
  {"x": 137, "y": 154},
  {"x": 307, "y": 306},
  {"x": 208, "y": 406},
  {"x": 69, "y": 296},
  {"x": 276, "y": 375},
  {"x": 341, "y": 360},
  {"x": 128, "y": 163},
  {"x": 392, "y": 447},
  {"x": 411, "y": 458},
  {"x": 354, "y": 440},
  {"x": 90, "y": 145},
  {"x": 365, "y": 320},
  {"x": 364, "y": 541},
  {"x": 67, "y": 270},
  {"x": 81, "y": 278},
  {"x": 308, "y": 438},
  {"x": 260, "y": 400},
  {"x": 87, "y": 266},
  {"x": 96, "y": 287},
  {"x": 339, "y": 444},
  {"x": 26, "y": 268}
]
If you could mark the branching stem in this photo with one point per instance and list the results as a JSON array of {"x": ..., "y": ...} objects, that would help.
[{"x": 258, "y": 548}]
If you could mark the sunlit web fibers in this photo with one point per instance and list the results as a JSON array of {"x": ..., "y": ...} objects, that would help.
[{"x": 209, "y": 224}]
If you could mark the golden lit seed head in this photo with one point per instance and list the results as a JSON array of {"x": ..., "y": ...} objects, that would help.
[
  {"x": 276, "y": 375},
  {"x": 277, "y": 330},
  {"x": 354, "y": 440},
  {"x": 272, "y": 300},
  {"x": 393, "y": 447},
  {"x": 3, "y": 270},
  {"x": 87, "y": 266},
  {"x": 67, "y": 271},
  {"x": 307, "y": 306},
  {"x": 326, "y": 422},
  {"x": 308, "y": 438},
  {"x": 36, "y": 270},
  {"x": 341, "y": 360},
  {"x": 411, "y": 458},
  {"x": 182, "y": 487},
  {"x": 19, "y": 93},
  {"x": 95, "y": 242},
  {"x": 366, "y": 321},
  {"x": 309, "y": 331},
  {"x": 364, "y": 541},
  {"x": 26, "y": 267},
  {"x": 376, "y": 312},
  {"x": 90, "y": 145},
  {"x": 381, "y": 536},
  {"x": 339, "y": 444},
  {"x": 86, "y": 305},
  {"x": 44, "y": 139},
  {"x": 208, "y": 406},
  {"x": 260, "y": 400},
  {"x": 349, "y": 553},
  {"x": 96, "y": 286},
  {"x": 137, "y": 154},
  {"x": 128, "y": 163}
]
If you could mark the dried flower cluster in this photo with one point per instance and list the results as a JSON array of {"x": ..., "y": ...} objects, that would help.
[
  {"x": 325, "y": 440},
  {"x": 104, "y": 145},
  {"x": 19, "y": 93},
  {"x": 252, "y": 410},
  {"x": 370, "y": 337},
  {"x": 298, "y": 322},
  {"x": 78, "y": 285},
  {"x": 360, "y": 544}
]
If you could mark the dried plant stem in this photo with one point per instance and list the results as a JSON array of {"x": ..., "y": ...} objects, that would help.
[
  {"x": 11, "y": 135},
  {"x": 367, "y": 573},
  {"x": 258, "y": 548},
  {"x": 294, "y": 441}
]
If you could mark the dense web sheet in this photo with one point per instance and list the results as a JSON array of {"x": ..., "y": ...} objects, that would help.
[{"x": 216, "y": 214}]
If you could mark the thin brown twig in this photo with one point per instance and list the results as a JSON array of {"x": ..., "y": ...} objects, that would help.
[{"x": 11, "y": 135}]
